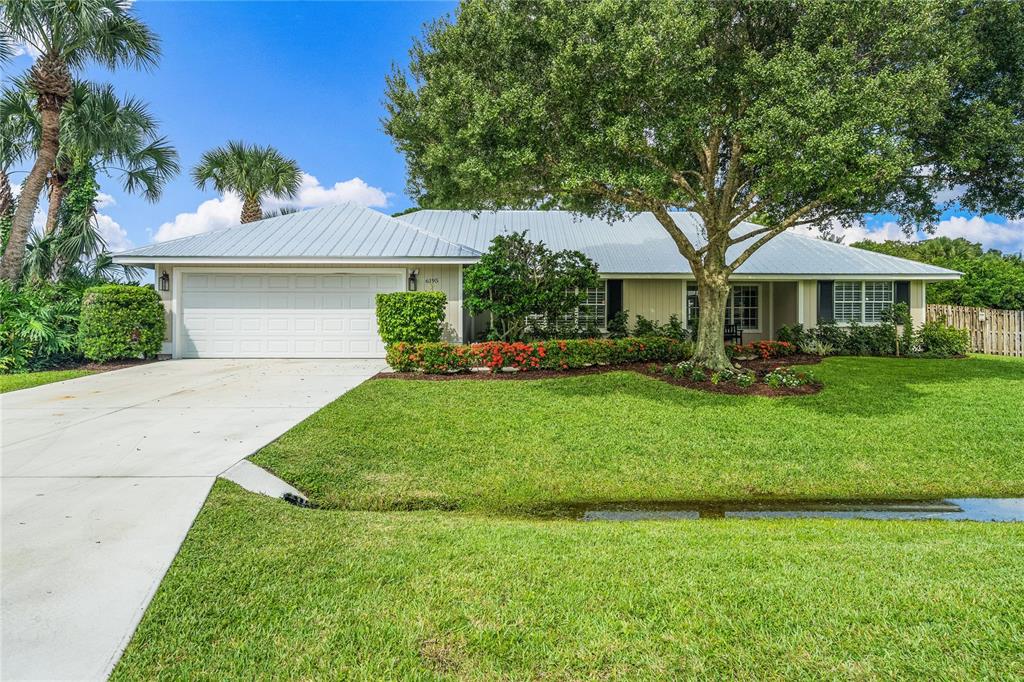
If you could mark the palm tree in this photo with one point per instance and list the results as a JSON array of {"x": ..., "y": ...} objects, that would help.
[
  {"x": 250, "y": 170},
  {"x": 67, "y": 36},
  {"x": 97, "y": 127}
]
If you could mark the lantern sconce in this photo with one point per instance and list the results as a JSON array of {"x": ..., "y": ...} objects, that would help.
[
  {"x": 165, "y": 281},
  {"x": 412, "y": 280}
]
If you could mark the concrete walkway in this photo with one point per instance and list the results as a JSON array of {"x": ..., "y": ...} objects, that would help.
[{"x": 102, "y": 477}]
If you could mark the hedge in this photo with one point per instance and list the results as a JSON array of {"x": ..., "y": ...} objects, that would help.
[
  {"x": 120, "y": 321},
  {"x": 445, "y": 358},
  {"x": 410, "y": 316}
]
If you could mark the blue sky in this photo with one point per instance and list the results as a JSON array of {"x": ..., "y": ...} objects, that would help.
[{"x": 308, "y": 78}]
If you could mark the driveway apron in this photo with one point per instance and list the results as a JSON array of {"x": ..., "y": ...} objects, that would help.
[{"x": 102, "y": 477}]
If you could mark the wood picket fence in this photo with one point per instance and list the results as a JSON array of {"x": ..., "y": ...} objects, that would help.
[{"x": 996, "y": 332}]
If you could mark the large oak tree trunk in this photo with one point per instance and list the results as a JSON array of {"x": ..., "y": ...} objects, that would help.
[
  {"x": 14, "y": 255},
  {"x": 251, "y": 210},
  {"x": 713, "y": 293}
]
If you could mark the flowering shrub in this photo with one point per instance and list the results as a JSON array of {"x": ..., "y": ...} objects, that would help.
[
  {"x": 763, "y": 349},
  {"x": 443, "y": 358},
  {"x": 432, "y": 358},
  {"x": 789, "y": 377}
]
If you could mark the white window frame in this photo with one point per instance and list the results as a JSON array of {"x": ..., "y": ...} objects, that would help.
[
  {"x": 861, "y": 288},
  {"x": 575, "y": 317},
  {"x": 729, "y": 304}
]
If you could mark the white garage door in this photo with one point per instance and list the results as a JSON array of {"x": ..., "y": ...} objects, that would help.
[{"x": 283, "y": 314}]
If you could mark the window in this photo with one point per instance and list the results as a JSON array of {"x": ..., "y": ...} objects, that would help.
[
  {"x": 594, "y": 308},
  {"x": 742, "y": 307},
  {"x": 862, "y": 302}
]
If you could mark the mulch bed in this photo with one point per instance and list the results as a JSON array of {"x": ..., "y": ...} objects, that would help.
[
  {"x": 653, "y": 370},
  {"x": 103, "y": 366}
]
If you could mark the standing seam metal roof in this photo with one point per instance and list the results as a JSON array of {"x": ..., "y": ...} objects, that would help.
[
  {"x": 636, "y": 244},
  {"x": 339, "y": 231}
]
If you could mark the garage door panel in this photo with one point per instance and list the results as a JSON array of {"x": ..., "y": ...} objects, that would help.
[{"x": 283, "y": 315}]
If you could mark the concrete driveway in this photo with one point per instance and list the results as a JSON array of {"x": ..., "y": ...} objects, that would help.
[{"x": 102, "y": 477}]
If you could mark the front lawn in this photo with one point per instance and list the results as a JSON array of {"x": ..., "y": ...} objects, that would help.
[
  {"x": 15, "y": 382},
  {"x": 881, "y": 428},
  {"x": 265, "y": 590}
]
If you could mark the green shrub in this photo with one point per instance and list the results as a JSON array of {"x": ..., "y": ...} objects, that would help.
[
  {"x": 618, "y": 325},
  {"x": 794, "y": 334},
  {"x": 410, "y": 316},
  {"x": 38, "y": 325},
  {"x": 939, "y": 340},
  {"x": 120, "y": 321},
  {"x": 563, "y": 354}
]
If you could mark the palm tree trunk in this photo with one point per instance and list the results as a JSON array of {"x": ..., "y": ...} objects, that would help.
[
  {"x": 57, "y": 182},
  {"x": 251, "y": 210},
  {"x": 28, "y": 201},
  {"x": 6, "y": 195}
]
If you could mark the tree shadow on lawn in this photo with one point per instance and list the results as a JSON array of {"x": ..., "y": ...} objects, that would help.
[{"x": 854, "y": 386}]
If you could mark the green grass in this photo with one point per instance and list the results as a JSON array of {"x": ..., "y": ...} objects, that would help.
[
  {"x": 16, "y": 382},
  {"x": 882, "y": 428},
  {"x": 262, "y": 589}
]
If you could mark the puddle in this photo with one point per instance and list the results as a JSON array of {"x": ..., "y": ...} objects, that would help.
[{"x": 953, "y": 509}]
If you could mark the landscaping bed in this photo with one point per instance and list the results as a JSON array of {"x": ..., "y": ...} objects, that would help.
[{"x": 759, "y": 366}]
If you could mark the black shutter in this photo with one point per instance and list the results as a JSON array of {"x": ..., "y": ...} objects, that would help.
[
  {"x": 903, "y": 293},
  {"x": 826, "y": 312},
  {"x": 614, "y": 296}
]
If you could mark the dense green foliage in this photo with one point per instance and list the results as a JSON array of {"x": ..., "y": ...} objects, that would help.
[
  {"x": 39, "y": 325},
  {"x": 895, "y": 335},
  {"x": 991, "y": 278},
  {"x": 881, "y": 428},
  {"x": 120, "y": 322},
  {"x": 802, "y": 113},
  {"x": 269, "y": 590},
  {"x": 410, "y": 316},
  {"x": 937, "y": 339},
  {"x": 445, "y": 358},
  {"x": 16, "y": 382},
  {"x": 516, "y": 280}
]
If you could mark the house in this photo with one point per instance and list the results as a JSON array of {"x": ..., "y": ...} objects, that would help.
[{"x": 303, "y": 284}]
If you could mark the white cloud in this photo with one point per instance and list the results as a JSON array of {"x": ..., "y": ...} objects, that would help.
[
  {"x": 113, "y": 234},
  {"x": 103, "y": 200},
  {"x": 212, "y": 214},
  {"x": 312, "y": 194},
  {"x": 1008, "y": 236},
  {"x": 225, "y": 211}
]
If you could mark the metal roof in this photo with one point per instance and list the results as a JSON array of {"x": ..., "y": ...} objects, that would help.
[
  {"x": 638, "y": 244},
  {"x": 338, "y": 231}
]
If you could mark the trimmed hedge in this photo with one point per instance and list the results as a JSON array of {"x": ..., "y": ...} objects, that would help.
[
  {"x": 410, "y": 316},
  {"x": 446, "y": 358},
  {"x": 120, "y": 321}
]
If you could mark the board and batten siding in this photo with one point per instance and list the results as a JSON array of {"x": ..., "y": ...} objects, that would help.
[
  {"x": 446, "y": 278},
  {"x": 655, "y": 299}
]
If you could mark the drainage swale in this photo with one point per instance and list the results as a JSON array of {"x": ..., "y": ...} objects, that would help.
[{"x": 953, "y": 509}]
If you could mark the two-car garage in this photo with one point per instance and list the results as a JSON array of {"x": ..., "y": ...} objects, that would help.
[{"x": 263, "y": 313}]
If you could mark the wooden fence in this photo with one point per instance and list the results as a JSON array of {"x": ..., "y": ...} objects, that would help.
[{"x": 997, "y": 332}]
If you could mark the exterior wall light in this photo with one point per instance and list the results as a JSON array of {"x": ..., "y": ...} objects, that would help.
[
  {"x": 165, "y": 281},
  {"x": 412, "y": 280}
]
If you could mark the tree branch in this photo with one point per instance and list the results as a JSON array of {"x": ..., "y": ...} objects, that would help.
[
  {"x": 773, "y": 232},
  {"x": 683, "y": 243}
]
